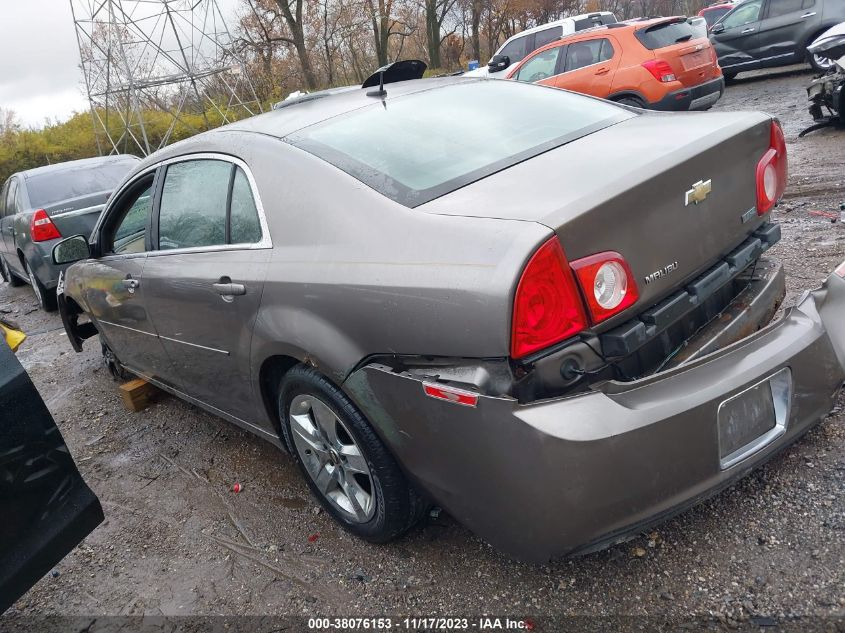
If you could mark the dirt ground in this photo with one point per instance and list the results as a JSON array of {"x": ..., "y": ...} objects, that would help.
[{"x": 177, "y": 541}]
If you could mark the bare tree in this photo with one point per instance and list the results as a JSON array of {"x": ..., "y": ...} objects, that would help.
[
  {"x": 9, "y": 122},
  {"x": 436, "y": 12}
]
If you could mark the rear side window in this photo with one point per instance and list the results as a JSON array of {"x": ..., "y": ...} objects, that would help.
[
  {"x": 12, "y": 198},
  {"x": 55, "y": 186},
  {"x": 667, "y": 34},
  {"x": 541, "y": 38},
  {"x": 587, "y": 53},
  {"x": 541, "y": 66},
  {"x": 245, "y": 226},
  {"x": 781, "y": 7},
  {"x": 417, "y": 147}
]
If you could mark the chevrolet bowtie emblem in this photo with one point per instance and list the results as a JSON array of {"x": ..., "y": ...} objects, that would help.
[{"x": 699, "y": 192}]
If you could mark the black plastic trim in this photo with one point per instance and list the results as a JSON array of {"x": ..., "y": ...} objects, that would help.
[{"x": 632, "y": 335}]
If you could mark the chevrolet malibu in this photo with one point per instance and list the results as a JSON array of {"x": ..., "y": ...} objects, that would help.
[{"x": 561, "y": 333}]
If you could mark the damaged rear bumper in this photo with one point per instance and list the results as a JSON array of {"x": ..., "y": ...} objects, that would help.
[{"x": 567, "y": 475}]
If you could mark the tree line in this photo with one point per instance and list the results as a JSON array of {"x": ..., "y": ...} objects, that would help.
[
  {"x": 290, "y": 45},
  {"x": 312, "y": 44}
]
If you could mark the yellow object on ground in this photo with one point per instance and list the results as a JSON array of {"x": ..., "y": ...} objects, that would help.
[{"x": 14, "y": 337}]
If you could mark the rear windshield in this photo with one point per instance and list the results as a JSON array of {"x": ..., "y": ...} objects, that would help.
[
  {"x": 55, "y": 186},
  {"x": 417, "y": 147},
  {"x": 670, "y": 33}
]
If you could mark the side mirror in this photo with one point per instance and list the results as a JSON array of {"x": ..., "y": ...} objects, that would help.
[
  {"x": 717, "y": 28},
  {"x": 498, "y": 63},
  {"x": 72, "y": 249}
]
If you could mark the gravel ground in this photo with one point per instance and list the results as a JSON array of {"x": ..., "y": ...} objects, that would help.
[{"x": 177, "y": 541}]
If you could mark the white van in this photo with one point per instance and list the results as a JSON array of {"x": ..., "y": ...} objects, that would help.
[{"x": 528, "y": 41}]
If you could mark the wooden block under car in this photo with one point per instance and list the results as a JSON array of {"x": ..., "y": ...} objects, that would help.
[{"x": 137, "y": 394}]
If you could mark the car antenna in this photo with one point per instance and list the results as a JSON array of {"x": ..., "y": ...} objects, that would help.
[{"x": 381, "y": 92}]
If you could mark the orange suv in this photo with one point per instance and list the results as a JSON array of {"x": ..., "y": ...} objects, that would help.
[{"x": 657, "y": 63}]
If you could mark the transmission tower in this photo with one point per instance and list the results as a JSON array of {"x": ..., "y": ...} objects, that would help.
[{"x": 155, "y": 67}]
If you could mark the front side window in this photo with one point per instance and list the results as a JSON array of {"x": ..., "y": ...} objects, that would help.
[
  {"x": 541, "y": 66},
  {"x": 587, "y": 53},
  {"x": 192, "y": 211},
  {"x": 743, "y": 14},
  {"x": 516, "y": 50},
  {"x": 131, "y": 221},
  {"x": 207, "y": 202}
]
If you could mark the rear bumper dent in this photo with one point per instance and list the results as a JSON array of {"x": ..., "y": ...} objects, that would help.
[{"x": 567, "y": 475}]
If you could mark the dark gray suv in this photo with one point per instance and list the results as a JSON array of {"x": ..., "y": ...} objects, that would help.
[{"x": 766, "y": 33}]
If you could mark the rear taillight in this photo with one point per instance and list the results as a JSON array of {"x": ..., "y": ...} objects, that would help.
[
  {"x": 547, "y": 307},
  {"x": 840, "y": 270},
  {"x": 661, "y": 70},
  {"x": 772, "y": 171},
  {"x": 41, "y": 227},
  {"x": 607, "y": 283}
]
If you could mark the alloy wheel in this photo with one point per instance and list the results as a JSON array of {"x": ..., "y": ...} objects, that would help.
[
  {"x": 822, "y": 63},
  {"x": 332, "y": 458}
]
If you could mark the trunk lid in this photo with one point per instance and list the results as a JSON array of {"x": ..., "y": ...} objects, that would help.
[
  {"x": 684, "y": 45},
  {"x": 77, "y": 216},
  {"x": 624, "y": 189}
]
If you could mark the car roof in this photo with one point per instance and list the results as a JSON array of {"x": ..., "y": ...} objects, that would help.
[
  {"x": 76, "y": 164},
  {"x": 627, "y": 26},
  {"x": 543, "y": 27},
  {"x": 305, "y": 112}
]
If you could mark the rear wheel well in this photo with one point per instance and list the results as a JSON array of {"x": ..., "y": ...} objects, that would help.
[
  {"x": 272, "y": 371},
  {"x": 629, "y": 97}
]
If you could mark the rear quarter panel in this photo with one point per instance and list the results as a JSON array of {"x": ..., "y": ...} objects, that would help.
[{"x": 354, "y": 274}]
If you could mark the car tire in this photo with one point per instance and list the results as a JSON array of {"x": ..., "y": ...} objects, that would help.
[
  {"x": 819, "y": 64},
  {"x": 343, "y": 461},
  {"x": 633, "y": 102},
  {"x": 115, "y": 368},
  {"x": 46, "y": 298},
  {"x": 8, "y": 275}
]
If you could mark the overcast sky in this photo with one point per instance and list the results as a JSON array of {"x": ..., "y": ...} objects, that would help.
[{"x": 39, "y": 59}]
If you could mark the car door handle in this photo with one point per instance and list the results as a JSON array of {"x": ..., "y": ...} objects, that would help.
[
  {"x": 131, "y": 284},
  {"x": 229, "y": 289},
  {"x": 602, "y": 71},
  {"x": 745, "y": 31},
  {"x": 808, "y": 15}
]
